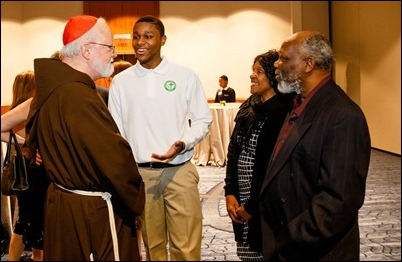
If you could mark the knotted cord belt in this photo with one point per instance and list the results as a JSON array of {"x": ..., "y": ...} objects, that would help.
[{"x": 106, "y": 196}]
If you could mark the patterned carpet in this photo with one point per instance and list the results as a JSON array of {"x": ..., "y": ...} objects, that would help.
[{"x": 380, "y": 216}]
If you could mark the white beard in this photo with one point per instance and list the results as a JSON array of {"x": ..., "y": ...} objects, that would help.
[
  {"x": 103, "y": 69},
  {"x": 288, "y": 87},
  {"x": 290, "y": 84},
  {"x": 108, "y": 71}
]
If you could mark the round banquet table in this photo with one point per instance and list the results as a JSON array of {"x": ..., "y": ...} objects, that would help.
[{"x": 213, "y": 149}]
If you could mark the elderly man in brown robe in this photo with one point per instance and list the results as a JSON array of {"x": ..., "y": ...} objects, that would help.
[{"x": 96, "y": 192}]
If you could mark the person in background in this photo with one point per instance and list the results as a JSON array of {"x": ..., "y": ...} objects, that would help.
[
  {"x": 316, "y": 179},
  {"x": 11, "y": 119},
  {"x": 225, "y": 93},
  {"x": 96, "y": 192},
  {"x": 258, "y": 123},
  {"x": 28, "y": 230},
  {"x": 152, "y": 103}
]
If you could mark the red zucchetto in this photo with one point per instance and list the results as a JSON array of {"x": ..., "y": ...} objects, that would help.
[{"x": 77, "y": 26}]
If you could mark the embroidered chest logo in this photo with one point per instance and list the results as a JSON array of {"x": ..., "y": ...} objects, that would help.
[{"x": 170, "y": 85}]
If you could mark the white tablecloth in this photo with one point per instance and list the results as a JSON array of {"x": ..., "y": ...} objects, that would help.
[{"x": 213, "y": 149}]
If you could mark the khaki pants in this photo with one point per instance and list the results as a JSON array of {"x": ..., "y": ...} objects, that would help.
[{"x": 172, "y": 213}]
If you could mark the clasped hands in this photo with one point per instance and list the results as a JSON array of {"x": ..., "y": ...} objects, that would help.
[
  {"x": 174, "y": 150},
  {"x": 236, "y": 212},
  {"x": 27, "y": 154}
]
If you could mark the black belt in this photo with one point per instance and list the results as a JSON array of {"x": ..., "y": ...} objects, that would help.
[{"x": 158, "y": 164}]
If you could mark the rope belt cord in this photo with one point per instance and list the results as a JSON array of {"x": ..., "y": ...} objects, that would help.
[{"x": 106, "y": 196}]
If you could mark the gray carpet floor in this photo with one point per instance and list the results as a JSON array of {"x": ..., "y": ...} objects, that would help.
[{"x": 380, "y": 216}]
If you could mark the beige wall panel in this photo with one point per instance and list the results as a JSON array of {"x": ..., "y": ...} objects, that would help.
[{"x": 367, "y": 44}]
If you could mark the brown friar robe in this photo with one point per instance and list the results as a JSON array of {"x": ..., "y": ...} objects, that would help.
[{"x": 82, "y": 149}]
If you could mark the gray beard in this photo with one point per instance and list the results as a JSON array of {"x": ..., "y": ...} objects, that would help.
[
  {"x": 108, "y": 71},
  {"x": 288, "y": 87}
]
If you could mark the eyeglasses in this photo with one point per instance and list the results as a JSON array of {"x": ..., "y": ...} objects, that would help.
[{"x": 111, "y": 47}]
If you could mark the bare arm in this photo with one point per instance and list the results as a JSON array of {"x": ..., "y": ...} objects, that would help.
[{"x": 13, "y": 118}]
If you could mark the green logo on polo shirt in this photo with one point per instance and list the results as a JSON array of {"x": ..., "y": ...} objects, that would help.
[{"x": 170, "y": 85}]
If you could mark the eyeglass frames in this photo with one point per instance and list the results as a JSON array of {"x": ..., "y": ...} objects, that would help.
[{"x": 111, "y": 47}]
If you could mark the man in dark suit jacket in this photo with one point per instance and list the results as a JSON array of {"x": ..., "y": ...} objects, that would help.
[{"x": 316, "y": 178}]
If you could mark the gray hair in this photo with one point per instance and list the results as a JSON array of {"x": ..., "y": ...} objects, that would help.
[
  {"x": 74, "y": 48},
  {"x": 318, "y": 46}
]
